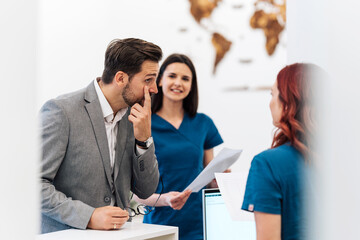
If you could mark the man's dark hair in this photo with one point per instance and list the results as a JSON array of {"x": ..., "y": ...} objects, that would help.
[
  {"x": 190, "y": 103},
  {"x": 128, "y": 55}
]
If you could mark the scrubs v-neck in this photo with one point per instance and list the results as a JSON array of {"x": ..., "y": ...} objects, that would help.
[{"x": 180, "y": 154}]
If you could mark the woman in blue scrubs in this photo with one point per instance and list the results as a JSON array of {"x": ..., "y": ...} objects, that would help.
[
  {"x": 184, "y": 141},
  {"x": 275, "y": 185}
]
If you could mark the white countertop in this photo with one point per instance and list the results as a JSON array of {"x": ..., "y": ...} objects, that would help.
[{"x": 130, "y": 231}]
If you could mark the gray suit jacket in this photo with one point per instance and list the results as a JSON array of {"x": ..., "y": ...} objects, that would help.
[{"x": 76, "y": 175}]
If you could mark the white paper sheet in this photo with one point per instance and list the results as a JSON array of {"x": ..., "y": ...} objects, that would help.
[
  {"x": 232, "y": 188},
  {"x": 223, "y": 160}
]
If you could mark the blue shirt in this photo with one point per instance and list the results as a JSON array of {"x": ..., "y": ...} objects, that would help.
[
  {"x": 274, "y": 185},
  {"x": 180, "y": 154}
]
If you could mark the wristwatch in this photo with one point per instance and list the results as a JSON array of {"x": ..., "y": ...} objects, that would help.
[{"x": 145, "y": 144}]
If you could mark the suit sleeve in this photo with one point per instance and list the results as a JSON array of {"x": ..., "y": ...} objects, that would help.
[
  {"x": 54, "y": 136},
  {"x": 145, "y": 173}
]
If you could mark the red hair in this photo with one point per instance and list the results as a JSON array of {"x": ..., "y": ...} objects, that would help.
[{"x": 296, "y": 123}]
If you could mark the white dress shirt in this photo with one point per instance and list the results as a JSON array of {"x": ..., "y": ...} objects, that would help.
[
  {"x": 111, "y": 127},
  {"x": 110, "y": 122}
]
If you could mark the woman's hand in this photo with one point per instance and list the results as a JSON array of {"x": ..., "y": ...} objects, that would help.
[{"x": 176, "y": 200}]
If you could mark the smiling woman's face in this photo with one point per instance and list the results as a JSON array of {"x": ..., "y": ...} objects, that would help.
[{"x": 176, "y": 81}]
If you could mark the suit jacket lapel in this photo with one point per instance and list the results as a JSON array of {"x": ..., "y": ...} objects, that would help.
[
  {"x": 122, "y": 138},
  {"x": 95, "y": 114}
]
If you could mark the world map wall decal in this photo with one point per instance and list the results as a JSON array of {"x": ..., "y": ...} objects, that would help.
[{"x": 269, "y": 16}]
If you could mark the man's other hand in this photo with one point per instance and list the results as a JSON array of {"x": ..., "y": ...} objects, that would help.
[{"x": 108, "y": 218}]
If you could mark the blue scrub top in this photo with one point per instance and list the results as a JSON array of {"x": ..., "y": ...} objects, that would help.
[
  {"x": 275, "y": 185},
  {"x": 180, "y": 154}
]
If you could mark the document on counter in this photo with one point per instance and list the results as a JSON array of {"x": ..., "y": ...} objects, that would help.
[
  {"x": 232, "y": 187},
  {"x": 222, "y": 161}
]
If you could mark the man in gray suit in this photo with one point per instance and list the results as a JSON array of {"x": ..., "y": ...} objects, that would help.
[{"x": 97, "y": 144}]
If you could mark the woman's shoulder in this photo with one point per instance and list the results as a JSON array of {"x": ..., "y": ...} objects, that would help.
[
  {"x": 201, "y": 120},
  {"x": 201, "y": 117},
  {"x": 282, "y": 149},
  {"x": 154, "y": 117},
  {"x": 157, "y": 121},
  {"x": 279, "y": 155}
]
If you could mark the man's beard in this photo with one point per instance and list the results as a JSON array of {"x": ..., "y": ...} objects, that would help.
[{"x": 129, "y": 96}]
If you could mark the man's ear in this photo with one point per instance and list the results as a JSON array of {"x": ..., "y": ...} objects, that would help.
[
  {"x": 160, "y": 82},
  {"x": 121, "y": 78}
]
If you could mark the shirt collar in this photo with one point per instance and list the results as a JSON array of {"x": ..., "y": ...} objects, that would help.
[{"x": 108, "y": 113}]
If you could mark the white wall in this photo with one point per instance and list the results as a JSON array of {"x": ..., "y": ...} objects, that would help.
[
  {"x": 74, "y": 36},
  {"x": 326, "y": 32},
  {"x": 18, "y": 124}
]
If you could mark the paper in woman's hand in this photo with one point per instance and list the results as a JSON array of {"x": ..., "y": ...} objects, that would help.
[{"x": 222, "y": 161}]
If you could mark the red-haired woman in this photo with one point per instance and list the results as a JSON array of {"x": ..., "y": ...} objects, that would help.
[{"x": 274, "y": 189}]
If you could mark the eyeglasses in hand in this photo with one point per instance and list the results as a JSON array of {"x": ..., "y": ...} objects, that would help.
[{"x": 143, "y": 209}]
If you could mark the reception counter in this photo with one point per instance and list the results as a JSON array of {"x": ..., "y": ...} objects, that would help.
[{"x": 130, "y": 231}]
